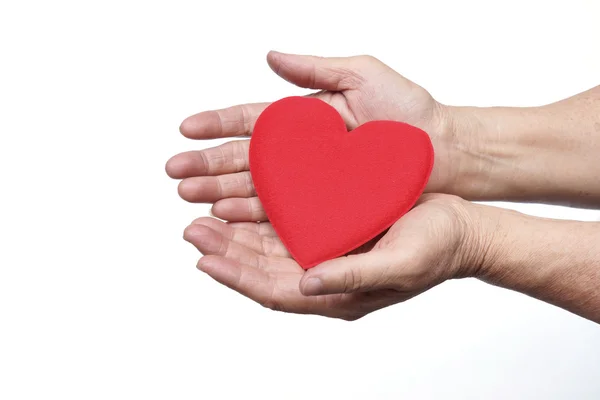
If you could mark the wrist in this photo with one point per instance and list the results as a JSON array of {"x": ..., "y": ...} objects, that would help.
[
  {"x": 523, "y": 154},
  {"x": 556, "y": 261},
  {"x": 479, "y": 241},
  {"x": 474, "y": 228},
  {"x": 491, "y": 150}
]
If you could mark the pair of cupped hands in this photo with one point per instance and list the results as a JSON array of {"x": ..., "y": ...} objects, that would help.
[{"x": 439, "y": 239}]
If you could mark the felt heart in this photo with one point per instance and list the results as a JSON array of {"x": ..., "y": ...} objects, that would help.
[{"x": 327, "y": 191}]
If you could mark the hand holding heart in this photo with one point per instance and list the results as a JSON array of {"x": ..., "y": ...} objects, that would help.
[
  {"x": 327, "y": 191},
  {"x": 361, "y": 89},
  {"x": 489, "y": 153},
  {"x": 430, "y": 244},
  {"x": 417, "y": 253}
]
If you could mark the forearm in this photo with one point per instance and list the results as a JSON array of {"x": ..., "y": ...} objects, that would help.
[
  {"x": 545, "y": 154},
  {"x": 553, "y": 260}
]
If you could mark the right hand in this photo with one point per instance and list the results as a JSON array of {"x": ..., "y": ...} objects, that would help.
[{"x": 360, "y": 88}]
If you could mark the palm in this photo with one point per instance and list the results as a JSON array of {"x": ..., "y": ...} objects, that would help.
[
  {"x": 221, "y": 175},
  {"x": 367, "y": 102},
  {"x": 250, "y": 258}
]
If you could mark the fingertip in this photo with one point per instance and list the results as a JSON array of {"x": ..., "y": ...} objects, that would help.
[
  {"x": 169, "y": 168},
  {"x": 314, "y": 281},
  {"x": 174, "y": 167},
  {"x": 221, "y": 209},
  {"x": 182, "y": 127},
  {"x": 187, "y": 233},
  {"x": 221, "y": 269},
  {"x": 274, "y": 60},
  {"x": 197, "y": 233},
  {"x": 345, "y": 274},
  {"x": 202, "y": 266},
  {"x": 205, "y": 263},
  {"x": 199, "y": 126},
  {"x": 211, "y": 264},
  {"x": 183, "y": 189},
  {"x": 216, "y": 225},
  {"x": 311, "y": 286},
  {"x": 187, "y": 126},
  {"x": 236, "y": 209},
  {"x": 273, "y": 54},
  {"x": 202, "y": 221}
]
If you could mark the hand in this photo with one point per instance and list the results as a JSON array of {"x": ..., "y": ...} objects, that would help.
[
  {"x": 360, "y": 88},
  {"x": 433, "y": 242}
]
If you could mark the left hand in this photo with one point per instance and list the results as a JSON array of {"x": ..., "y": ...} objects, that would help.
[{"x": 436, "y": 241}]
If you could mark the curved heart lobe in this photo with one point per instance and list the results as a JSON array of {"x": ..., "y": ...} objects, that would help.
[{"x": 327, "y": 191}]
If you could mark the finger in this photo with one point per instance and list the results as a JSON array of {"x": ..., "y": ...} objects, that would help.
[
  {"x": 353, "y": 273},
  {"x": 332, "y": 73},
  {"x": 239, "y": 210},
  {"x": 340, "y": 104},
  {"x": 264, "y": 245},
  {"x": 257, "y": 285},
  {"x": 227, "y": 122},
  {"x": 209, "y": 189},
  {"x": 261, "y": 228},
  {"x": 210, "y": 242},
  {"x": 227, "y": 158},
  {"x": 251, "y": 282},
  {"x": 274, "y": 292}
]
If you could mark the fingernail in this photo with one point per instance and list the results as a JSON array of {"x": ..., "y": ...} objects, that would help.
[{"x": 313, "y": 286}]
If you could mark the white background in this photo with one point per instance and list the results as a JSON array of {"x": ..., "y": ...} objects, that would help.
[{"x": 99, "y": 295}]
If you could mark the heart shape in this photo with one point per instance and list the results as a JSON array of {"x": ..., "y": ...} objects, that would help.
[{"x": 325, "y": 190}]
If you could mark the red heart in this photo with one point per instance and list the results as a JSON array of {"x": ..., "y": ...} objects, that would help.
[{"x": 327, "y": 191}]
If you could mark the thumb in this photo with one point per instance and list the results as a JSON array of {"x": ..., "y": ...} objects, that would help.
[
  {"x": 331, "y": 73},
  {"x": 353, "y": 273}
]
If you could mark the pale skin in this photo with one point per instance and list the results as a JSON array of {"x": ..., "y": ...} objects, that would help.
[{"x": 546, "y": 154}]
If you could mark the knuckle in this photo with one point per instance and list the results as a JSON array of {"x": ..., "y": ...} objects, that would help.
[
  {"x": 249, "y": 184},
  {"x": 205, "y": 164},
  {"x": 245, "y": 120},
  {"x": 312, "y": 78},
  {"x": 352, "y": 280},
  {"x": 221, "y": 191},
  {"x": 223, "y": 246},
  {"x": 238, "y": 155},
  {"x": 368, "y": 61},
  {"x": 366, "y": 58},
  {"x": 254, "y": 209},
  {"x": 356, "y": 71},
  {"x": 457, "y": 203},
  {"x": 267, "y": 245}
]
